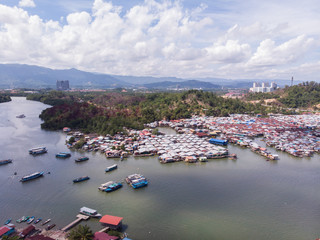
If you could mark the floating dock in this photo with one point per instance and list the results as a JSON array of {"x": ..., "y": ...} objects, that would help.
[{"x": 80, "y": 217}]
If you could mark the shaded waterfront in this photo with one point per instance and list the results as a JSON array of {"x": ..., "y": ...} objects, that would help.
[{"x": 249, "y": 198}]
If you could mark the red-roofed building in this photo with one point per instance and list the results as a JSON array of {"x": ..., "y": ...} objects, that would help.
[
  {"x": 6, "y": 231},
  {"x": 104, "y": 236},
  {"x": 113, "y": 222},
  {"x": 27, "y": 231}
]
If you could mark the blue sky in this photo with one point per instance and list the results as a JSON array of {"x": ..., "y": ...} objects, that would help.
[{"x": 190, "y": 39}]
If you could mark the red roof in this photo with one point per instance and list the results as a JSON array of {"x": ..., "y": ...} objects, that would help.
[
  {"x": 104, "y": 236},
  {"x": 113, "y": 220},
  {"x": 4, "y": 230},
  {"x": 39, "y": 237}
]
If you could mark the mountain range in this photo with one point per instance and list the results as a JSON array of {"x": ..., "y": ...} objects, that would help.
[{"x": 29, "y": 76}]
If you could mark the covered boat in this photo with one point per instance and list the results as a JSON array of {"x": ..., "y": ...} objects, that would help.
[
  {"x": 63, "y": 155},
  {"x": 38, "y": 150},
  {"x": 31, "y": 176},
  {"x": 111, "y": 168},
  {"x": 110, "y": 186},
  {"x": 81, "y": 159},
  {"x": 3, "y": 162},
  {"x": 81, "y": 179},
  {"x": 90, "y": 212}
]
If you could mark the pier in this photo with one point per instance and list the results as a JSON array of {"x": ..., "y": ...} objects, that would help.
[{"x": 80, "y": 217}]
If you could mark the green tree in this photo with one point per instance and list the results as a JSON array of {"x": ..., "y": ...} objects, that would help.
[{"x": 81, "y": 233}]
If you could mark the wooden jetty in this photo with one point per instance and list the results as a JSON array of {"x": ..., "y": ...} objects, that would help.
[
  {"x": 106, "y": 229},
  {"x": 80, "y": 217}
]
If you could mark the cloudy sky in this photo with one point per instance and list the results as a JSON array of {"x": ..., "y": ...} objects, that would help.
[{"x": 205, "y": 38}]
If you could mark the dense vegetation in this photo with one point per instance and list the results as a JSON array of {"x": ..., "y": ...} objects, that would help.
[
  {"x": 303, "y": 95},
  {"x": 4, "y": 98},
  {"x": 111, "y": 112}
]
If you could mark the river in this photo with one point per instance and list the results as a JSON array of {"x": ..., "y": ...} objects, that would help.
[{"x": 249, "y": 198}]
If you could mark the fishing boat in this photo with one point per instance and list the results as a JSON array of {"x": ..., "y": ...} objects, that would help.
[
  {"x": 137, "y": 180},
  {"x": 113, "y": 187},
  {"x": 139, "y": 183},
  {"x": 38, "y": 220},
  {"x": 30, "y": 220},
  {"x": 31, "y": 176},
  {"x": 81, "y": 179},
  {"x": 21, "y": 116},
  {"x": 46, "y": 222},
  {"x": 20, "y": 219},
  {"x": 24, "y": 219},
  {"x": 111, "y": 168},
  {"x": 3, "y": 162},
  {"x": 50, "y": 227},
  {"x": 81, "y": 159},
  {"x": 90, "y": 212},
  {"x": 38, "y": 150},
  {"x": 63, "y": 155},
  {"x": 8, "y": 221},
  {"x": 110, "y": 186}
]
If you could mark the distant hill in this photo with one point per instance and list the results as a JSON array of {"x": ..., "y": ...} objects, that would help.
[
  {"x": 190, "y": 84},
  {"x": 26, "y": 76}
]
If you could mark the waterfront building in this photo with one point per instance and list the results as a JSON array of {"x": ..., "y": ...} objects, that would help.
[
  {"x": 6, "y": 231},
  {"x": 113, "y": 222},
  {"x": 104, "y": 236},
  {"x": 263, "y": 87},
  {"x": 62, "y": 85}
]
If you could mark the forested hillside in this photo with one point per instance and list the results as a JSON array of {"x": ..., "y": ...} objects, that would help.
[{"x": 111, "y": 111}]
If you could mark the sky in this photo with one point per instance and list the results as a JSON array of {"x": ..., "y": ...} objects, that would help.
[{"x": 234, "y": 39}]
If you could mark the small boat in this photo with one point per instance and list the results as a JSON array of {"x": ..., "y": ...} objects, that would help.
[
  {"x": 46, "y": 222},
  {"x": 63, "y": 155},
  {"x": 31, "y": 176},
  {"x": 21, "y": 116},
  {"x": 8, "y": 221},
  {"x": 113, "y": 187},
  {"x": 81, "y": 159},
  {"x": 3, "y": 162},
  {"x": 30, "y": 220},
  {"x": 111, "y": 168},
  {"x": 24, "y": 219},
  {"x": 38, "y": 220},
  {"x": 137, "y": 180},
  {"x": 81, "y": 179},
  {"x": 50, "y": 227},
  {"x": 90, "y": 212},
  {"x": 203, "y": 159},
  {"x": 20, "y": 219},
  {"x": 38, "y": 150}
]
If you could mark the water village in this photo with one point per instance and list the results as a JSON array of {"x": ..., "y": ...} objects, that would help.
[{"x": 202, "y": 138}]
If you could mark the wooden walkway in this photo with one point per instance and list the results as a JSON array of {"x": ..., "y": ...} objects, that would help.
[
  {"x": 80, "y": 217},
  {"x": 106, "y": 229}
]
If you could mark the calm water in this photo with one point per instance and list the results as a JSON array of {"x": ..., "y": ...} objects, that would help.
[{"x": 249, "y": 198}]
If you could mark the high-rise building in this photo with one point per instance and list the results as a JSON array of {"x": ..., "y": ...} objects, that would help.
[
  {"x": 62, "y": 85},
  {"x": 263, "y": 87}
]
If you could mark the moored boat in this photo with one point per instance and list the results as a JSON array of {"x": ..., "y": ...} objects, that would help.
[
  {"x": 90, "y": 212},
  {"x": 30, "y": 220},
  {"x": 48, "y": 220},
  {"x": 137, "y": 180},
  {"x": 3, "y": 162},
  {"x": 81, "y": 179},
  {"x": 110, "y": 186},
  {"x": 38, "y": 220},
  {"x": 63, "y": 155},
  {"x": 111, "y": 168},
  {"x": 38, "y": 150},
  {"x": 31, "y": 176},
  {"x": 8, "y": 221},
  {"x": 50, "y": 227},
  {"x": 81, "y": 159}
]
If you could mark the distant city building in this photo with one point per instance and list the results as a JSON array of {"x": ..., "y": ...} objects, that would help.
[
  {"x": 62, "y": 85},
  {"x": 263, "y": 87}
]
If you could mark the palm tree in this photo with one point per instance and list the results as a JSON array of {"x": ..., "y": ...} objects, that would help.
[{"x": 81, "y": 233}]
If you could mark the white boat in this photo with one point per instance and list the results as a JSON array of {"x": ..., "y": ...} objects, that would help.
[{"x": 90, "y": 212}]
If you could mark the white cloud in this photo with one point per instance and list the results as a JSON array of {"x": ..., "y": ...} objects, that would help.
[
  {"x": 27, "y": 3},
  {"x": 161, "y": 39}
]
